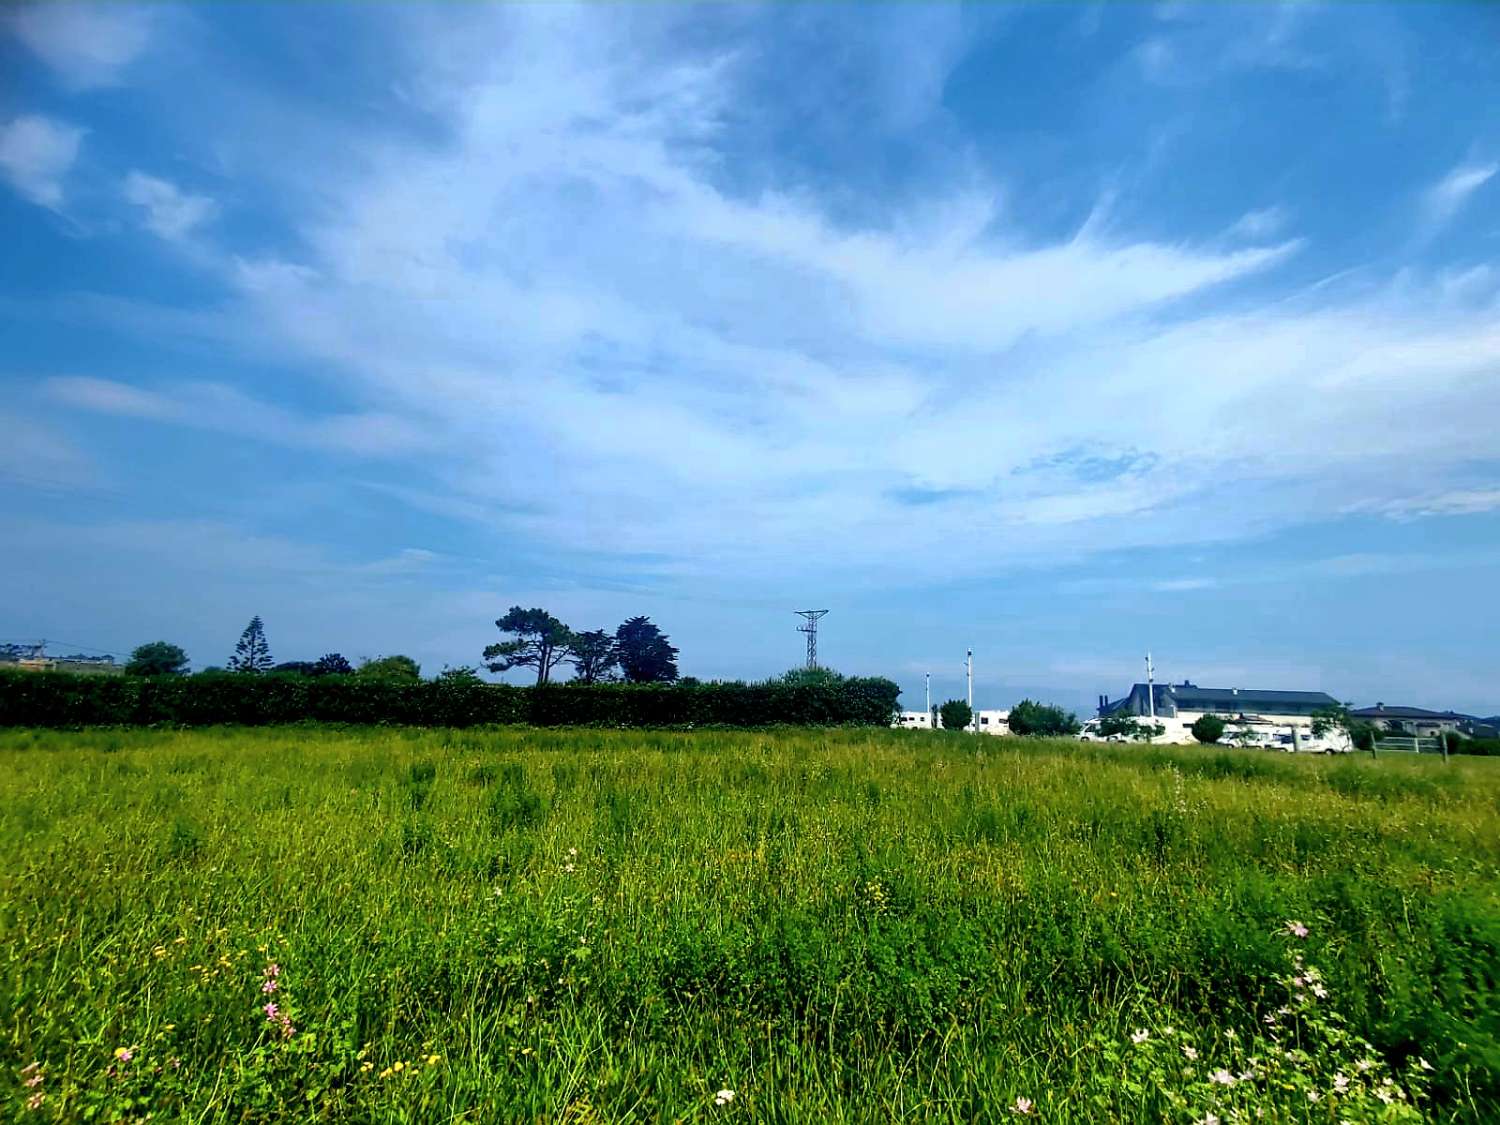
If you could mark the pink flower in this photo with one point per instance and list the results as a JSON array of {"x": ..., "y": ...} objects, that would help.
[
  {"x": 1296, "y": 929},
  {"x": 124, "y": 1054},
  {"x": 273, "y": 970},
  {"x": 35, "y": 1101},
  {"x": 269, "y": 986},
  {"x": 272, "y": 1011},
  {"x": 1023, "y": 1106},
  {"x": 34, "y": 1081}
]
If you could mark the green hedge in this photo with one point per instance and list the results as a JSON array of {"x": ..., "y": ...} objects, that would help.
[{"x": 57, "y": 699}]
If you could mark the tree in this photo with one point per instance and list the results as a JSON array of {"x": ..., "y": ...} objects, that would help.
[
  {"x": 1030, "y": 717},
  {"x": 252, "y": 654},
  {"x": 463, "y": 674},
  {"x": 810, "y": 677},
  {"x": 332, "y": 664},
  {"x": 593, "y": 655},
  {"x": 390, "y": 670},
  {"x": 541, "y": 642},
  {"x": 1208, "y": 729},
  {"x": 1327, "y": 720},
  {"x": 956, "y": 714},
  {"x": 296, "y": 668},
  {"x": 157, "y": 658},
  {"x": 646, "y": 655}
]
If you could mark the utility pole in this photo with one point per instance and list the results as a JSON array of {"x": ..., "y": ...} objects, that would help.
[
  {"x": 1151, "y": 696},
  {"x": 969, "y": 667},
  {"x": 811, "y": 629},
  {"x": 929, "y": 695}
]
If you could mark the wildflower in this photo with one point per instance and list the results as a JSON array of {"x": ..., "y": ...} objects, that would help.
[
  {"x": 1023, "y": 1106},
  {"x": 399, "y": 1065},
  {"x": 723, "y": 1097},
  {"x": 568, "y": 869},
  {"x": 272, "y": 1011},
  {"x": 35, "y": 1101},
  {"x": 1222, "y": 1077},
  {"x": 573, "y": 854},
  {"x": 1190, "y": 1052},
  {"x": 1139, "y": 1036},
  {"x": 1208, "y": 1119},
  {"x": 1423, "y": 1063},
  {"x": 387, "y": 1072},
  {"x": 1296, "y": 929},
  {"x": 34, "y": 1081},
  {"x": 1340, "y": 1083},
  {"x": 273, "y": 970},
  {"x": 1384, "y": 1095},
  {"x": 1270, "y": 1019},
  {"x": 433, "y": 1060},
  {"x": 269, "y": 986},
  {"x": 366, "y": 1066},
  {"x": 1365, "y": 1065},
  {"x": 124, "y": 1054},
  {"x": 1229, "y": 1033},
  {"x": 1313, "y": 1096},
  {"x": 31, "y": 1067},
  {"x": 1169, "y": 1031}
]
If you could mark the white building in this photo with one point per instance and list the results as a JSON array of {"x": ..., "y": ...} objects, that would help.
[
  {"x": 1252, "y": 717},
  {"x": 985, "y": 722}
]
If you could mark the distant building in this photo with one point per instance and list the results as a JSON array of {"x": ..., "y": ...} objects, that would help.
[
  {"x": 1415, "y": 720},
  {"x": 1187, "y": 701},
  {"x": 1271, "y": 718},
  {"x": 986, "y": 722}
]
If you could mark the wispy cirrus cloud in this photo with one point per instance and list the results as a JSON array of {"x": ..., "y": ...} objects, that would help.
[
  {"x": 36, "y": 154},
  {"x": 87, "y": 45},
  {"x": 168, "y": 211}
]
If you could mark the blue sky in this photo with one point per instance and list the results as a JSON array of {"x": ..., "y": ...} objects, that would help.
[{"x": 1059, "y": 331}]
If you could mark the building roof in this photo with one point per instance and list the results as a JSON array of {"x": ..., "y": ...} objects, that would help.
[
  {"x": 1190, "y": 697},
  {"x": 1381, "y": 711}
]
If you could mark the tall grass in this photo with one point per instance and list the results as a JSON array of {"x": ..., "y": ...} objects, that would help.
[{"x": 834, "y": 925}]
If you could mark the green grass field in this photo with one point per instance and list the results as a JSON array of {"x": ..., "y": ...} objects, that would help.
[{"x": 584, "y": 925}]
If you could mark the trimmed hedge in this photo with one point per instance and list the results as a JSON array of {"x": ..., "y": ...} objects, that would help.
[{"x": 58, "y": 699}]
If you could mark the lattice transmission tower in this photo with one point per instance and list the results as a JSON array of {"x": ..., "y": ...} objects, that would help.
[{"x": 811, "y": 629}]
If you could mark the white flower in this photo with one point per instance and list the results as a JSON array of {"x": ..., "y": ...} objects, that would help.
[
  {"x": 1319, "y": 991},
  {"x": 568, "y": 869},
  {"x": 1384, "y": 1095},
  {"x": 1229, "y": 1033},
  {"x": 1313, "y": 1095},
  {"x": 1189, "y": 1052},
  {"x": 1340, "y": 1083},
  {"x": 1222, "y": 1077},
  {"x": 1208, "y": 1119},
  {"x": 724, "y": 1097},
  {"x": 1365, "y": 1065},
  {"x": 1023, "y": 1106},
  {"x": 1140, "y": 1035},
  {"x": 1423, "y": 1063}
]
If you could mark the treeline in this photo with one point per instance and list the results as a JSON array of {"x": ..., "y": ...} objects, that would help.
[{"x": 57, "y": 699}]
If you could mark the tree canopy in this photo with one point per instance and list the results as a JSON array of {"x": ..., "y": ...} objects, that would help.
[
  {"x": 252, "y": 654},
  {"x": 646, "y": 655},
  {"x": 1208, "y": 729},
  {"x": 1031, "y": 717},
  {"x": 539, "y": 641},
  {"x": 956, "y": 715},
  {"x": 157, "y": 658},
  {"x": 332, "y": 664},
  {"x": 390, "y": 669},
  {"x": 593, "y": 655}
]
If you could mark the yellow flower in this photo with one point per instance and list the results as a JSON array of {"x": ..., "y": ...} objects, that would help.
[
  {"x": 399, "y": 1066},
  {"x": 386, "y": 1073},
  {"x": 433, "y": 1060},
  {"x": 366, "y": 1066}
]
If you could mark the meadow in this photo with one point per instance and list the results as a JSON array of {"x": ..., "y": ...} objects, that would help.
[{"x": 388, "y": 924}]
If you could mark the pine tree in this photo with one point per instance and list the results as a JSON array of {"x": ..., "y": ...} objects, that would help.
[{"x": 252, "y": 654}]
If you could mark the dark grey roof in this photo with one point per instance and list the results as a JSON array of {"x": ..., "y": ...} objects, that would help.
[
  {"x": 1383, "y": 712},
  {"x": 1190, "y": 697}
]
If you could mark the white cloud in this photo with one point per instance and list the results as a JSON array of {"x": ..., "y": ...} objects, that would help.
[
  {"x": 87, "y": 44},
  {"x": 36, "y": 153},
  {"x": 1266, "y": 222},
  {"x": 213, "y": 406},
  {"x": 1446, "y": 198},
  {"x": 169, "y": 212},
  {"x": 1454, "y": 502}
]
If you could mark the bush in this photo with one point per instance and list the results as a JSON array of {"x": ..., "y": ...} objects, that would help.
[
  {"x": 1030, "y": 717},
  {"x": 57, "y": 699},
  {"x": 1208, "y": 729}
]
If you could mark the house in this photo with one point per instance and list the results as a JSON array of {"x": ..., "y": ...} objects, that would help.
[
  {"x": 1415, "y": 720},
  {"x": 913, "y": 720},
  {"x": 992, "y": 722},
  {"x": 1268, "y": 718}
]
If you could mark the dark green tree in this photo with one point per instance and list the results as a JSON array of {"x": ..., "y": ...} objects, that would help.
[
  {"x": 252, "y": 654},
  {"x": 956, "y": 715},
  {"x": 540, "y": 641},
  {"x": 390, "y": 670},
  {"x": 332, "y": 664},
  {"x": 1030, "y": 717},
  {"x": 593, "y": 655},
  {"x": 158, "y": 658},
  {"x": 1208, "y": 729},
  {"x": 646, "y": 655},
  {"x": 296, "y": 668}
]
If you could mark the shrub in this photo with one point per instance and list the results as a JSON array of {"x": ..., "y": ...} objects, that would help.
[
  {"x": 1208, "y": 729},
  {"x": 57, "y": 699}
]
